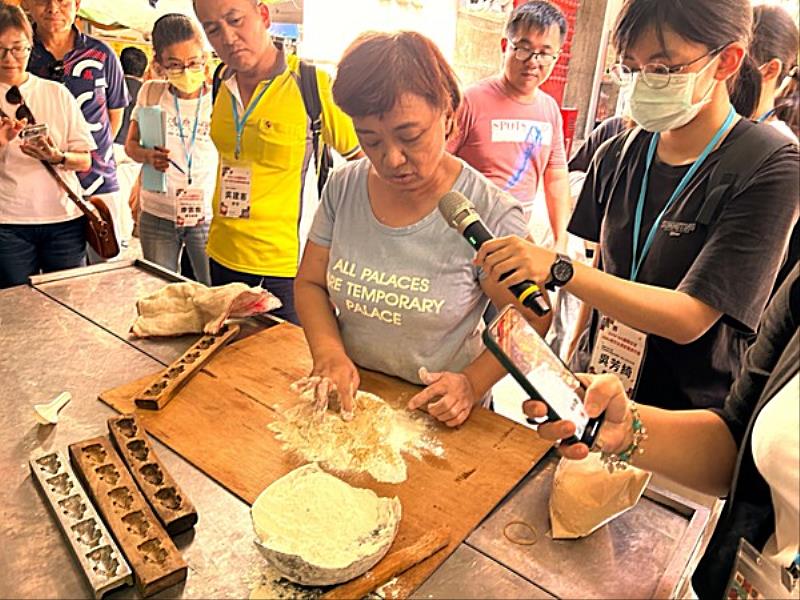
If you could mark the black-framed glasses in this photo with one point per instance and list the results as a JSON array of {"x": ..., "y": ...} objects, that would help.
[
  {"x": 18, "y": 52},
  {"x": 14, "y": 97},
  {"x": 56, "y": 70},
  {"x": 194, "y": 66},
  {"x": 655, "y": 75},
  {"x": 524, "y": 54}
]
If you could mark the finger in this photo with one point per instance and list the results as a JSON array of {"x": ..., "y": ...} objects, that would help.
[
  {"x": 304, "y": 384},
  {"x": 425, "y": 396},
  {"x": 557, "y": 430},
  {"x": 427, "y": 377},
  {"x": 534, "y": 409},
  {"x": 459, "y": 419},
  {"x": 574, "y": 451},
  {"x": 446, "y": 408},
  {"x": 346, "y": 401},
  {"x": 322, "y": 395},
  {"x": 605, "y": 393}
]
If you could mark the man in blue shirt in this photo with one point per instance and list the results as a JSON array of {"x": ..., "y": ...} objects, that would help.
[{"x": 92, "y": 73}]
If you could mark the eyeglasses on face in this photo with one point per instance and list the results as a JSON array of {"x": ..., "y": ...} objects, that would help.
[
  {"x": 18, "y": 52},
  {"x": 14, "y": 96},
  {"x": 46, "y": 3},
  {"x": 57, "y": 70},
  {"x": 655, "y": 75},
  {"x": 195, "y": 66},
  {"x": 524, "y": 54}
]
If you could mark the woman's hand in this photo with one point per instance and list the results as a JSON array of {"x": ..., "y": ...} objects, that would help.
[
  {"x": 9, "y": 130},
  {"x": 512, "y": 254},
  {"x": 455, "y": 392},
  {"x": 603, "y": 393},
  {"x": 157, "y": 157},
  {"x": 42, "y": 148},
  {"x": 334, "y": 379}
]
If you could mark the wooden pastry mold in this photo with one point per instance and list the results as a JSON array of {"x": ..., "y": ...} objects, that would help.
[
  {"x": 156, "y": 395},
  {"x": 103, "y": 564},
  {"x": 155, "y": 560},
  {"x": 167, "y": 500}
]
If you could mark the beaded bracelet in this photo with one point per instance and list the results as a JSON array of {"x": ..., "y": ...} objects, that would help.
[{"x": 623, "y": 459}]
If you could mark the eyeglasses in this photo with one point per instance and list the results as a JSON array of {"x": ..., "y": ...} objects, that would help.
[
  {"x": 59, "y": 3},
  {"x": 655, "y": 75},
  {"x": 195, "y": 66},
  {"x": 14, "y": 97},
  {"x": 19, "y": 52},
  {"x": 57, "y": 70},
  {"x": 523, "y": 54}
]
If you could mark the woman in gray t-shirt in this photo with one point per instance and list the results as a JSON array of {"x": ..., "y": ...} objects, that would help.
[{"x": 408, "y": 299}]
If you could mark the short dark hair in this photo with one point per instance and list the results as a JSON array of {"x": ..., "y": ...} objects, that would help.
[
  {"x": 13, "y": 17},
  {"x": 712, "y": 23},
  {"x": 378, "y": 68},
  {"x": 774, "y": 36},
  {"x": 173, "y": 28},
  {"x": 134, "y": 61},
  {"x": 538, "y": 15}
]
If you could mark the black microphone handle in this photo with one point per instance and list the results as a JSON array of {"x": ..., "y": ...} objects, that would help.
[{"x": 476, "y": 234}]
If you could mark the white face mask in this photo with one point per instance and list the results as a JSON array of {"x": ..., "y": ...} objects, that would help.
[{"x": 668, "y": 107}]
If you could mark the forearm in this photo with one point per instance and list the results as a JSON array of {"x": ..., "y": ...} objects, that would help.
[
  {"x": 314, "y": 309},
  {"x": 692, "y": 447},
  {"x": 135, "y": 150},
  {"x": 77, "y": 161},
  {"x": 654, "y": 310},
  {"x": 559, "y": 203},
  {"x": 483, "y": 373},
  {"x": 115, "y": 118}
]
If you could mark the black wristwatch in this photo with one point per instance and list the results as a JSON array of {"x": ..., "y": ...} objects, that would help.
[{"x": 561, "y": 272}]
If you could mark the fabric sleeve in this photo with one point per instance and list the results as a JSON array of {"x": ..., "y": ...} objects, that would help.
[
  {"x": 79, "y": 136},
  {"x": 117, "y": 91},
  {"x": 778, "y": 325},
  {"x": 338, "y": 131},
  {"x": 321, "y": 232},
  {"x": 590, "y": 208},
  {"x": 736, "y": 269},
  {"x": 463, "y": 123},
  {"x": 558, "y": 152}
]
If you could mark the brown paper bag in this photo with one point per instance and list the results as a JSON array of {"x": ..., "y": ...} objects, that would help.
[{"x": 586, "y": 496}]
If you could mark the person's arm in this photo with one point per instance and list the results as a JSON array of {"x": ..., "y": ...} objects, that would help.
[
  {"x": 692, "y": 447},
  {"x": 115, "y": 117},
  {"x": 559, "y": 203},
  {"x": 43, "y": 148},
  {"x": 157, "y": 157},
  {"x": 316, "y": 314},
  {"x": 668, "y": 313}
]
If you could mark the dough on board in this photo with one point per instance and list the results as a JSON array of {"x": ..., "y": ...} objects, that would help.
[{"x": 318, "y": 530}]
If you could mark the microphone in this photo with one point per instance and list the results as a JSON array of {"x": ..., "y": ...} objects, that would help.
[{"x": 460, "y": 214}]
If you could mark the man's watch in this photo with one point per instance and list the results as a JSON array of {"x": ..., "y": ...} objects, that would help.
[{"x": 561, "y": 272}]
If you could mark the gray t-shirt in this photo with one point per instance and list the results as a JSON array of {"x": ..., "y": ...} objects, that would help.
[{"x": 407, "y": 297}]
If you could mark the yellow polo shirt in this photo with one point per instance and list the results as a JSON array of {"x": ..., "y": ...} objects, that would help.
[{"x": 276, "y": 145}]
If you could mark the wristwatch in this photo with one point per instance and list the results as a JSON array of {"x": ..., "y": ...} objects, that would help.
[
  {"x": 561, "y": 272},
  {"x": 60, "y": 162}
]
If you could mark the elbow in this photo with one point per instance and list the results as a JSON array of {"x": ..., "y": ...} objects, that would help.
[{"x": 686, "y": 329}]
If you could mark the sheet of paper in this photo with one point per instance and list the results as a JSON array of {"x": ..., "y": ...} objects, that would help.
[{"x": 153, "y": 132}]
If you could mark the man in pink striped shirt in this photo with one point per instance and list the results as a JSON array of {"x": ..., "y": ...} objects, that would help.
[{"x": 511, "y": 131}]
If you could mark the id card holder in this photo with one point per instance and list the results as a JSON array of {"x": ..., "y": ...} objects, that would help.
[
  {"x": 234, "y": 196},
  {"x": 755, "y": 577},
  {"x": 190, "y": 207},
  {"x": 620, "y": 350}
]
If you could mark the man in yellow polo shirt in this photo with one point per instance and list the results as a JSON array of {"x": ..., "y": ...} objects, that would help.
[{"x": 262, "y": 132}]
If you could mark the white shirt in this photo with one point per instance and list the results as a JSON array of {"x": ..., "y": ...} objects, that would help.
[
  {"x": 28, "y": 193},
  {"x": 776, "y": 451},
  {"x": 204, "y": 153}
]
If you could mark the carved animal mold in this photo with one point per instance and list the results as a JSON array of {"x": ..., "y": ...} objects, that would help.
[
  {"x": 168, "y": 501},
  {"x": 101, "y": 561},
  {"x": 156, "y": 562}
]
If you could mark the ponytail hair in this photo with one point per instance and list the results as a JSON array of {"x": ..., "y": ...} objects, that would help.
[
  {"x": 787, "y": 106},
  {"x": 745, "y": 90}
]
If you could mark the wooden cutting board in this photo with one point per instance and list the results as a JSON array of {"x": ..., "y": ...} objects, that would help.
[{"x": 218, "y": 422}]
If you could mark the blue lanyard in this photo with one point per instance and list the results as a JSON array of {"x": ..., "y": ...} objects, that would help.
[
  {"x": 240, "y": 123},
  {"x": 188, "y": 150},
  {"x": 637, "y": 260},
  {"x": 766, "y": 115}
]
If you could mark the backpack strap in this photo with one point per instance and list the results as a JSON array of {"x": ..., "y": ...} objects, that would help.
[
  {"x": 313, "y": 103},
  {"x": 737, "y": 167}
]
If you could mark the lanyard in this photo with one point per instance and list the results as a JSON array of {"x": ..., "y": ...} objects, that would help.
[
  {"x": 240, "y": 123},
  {"x": 188, "y": 150},
  {"x": 766, "y": 115},
  {"x": 637, "y": 260}
]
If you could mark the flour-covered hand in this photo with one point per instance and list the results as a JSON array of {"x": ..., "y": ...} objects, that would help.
[
  {"x": 449, "y": 396},
  {"x": 333, "y": 380}
]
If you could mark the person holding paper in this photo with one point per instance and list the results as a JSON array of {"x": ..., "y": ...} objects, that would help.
[{"x": 177, "y": 219}]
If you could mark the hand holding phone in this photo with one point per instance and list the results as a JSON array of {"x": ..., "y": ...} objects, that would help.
[{"x": 541, "y": 373}]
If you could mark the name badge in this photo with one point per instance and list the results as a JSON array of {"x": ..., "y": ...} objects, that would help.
[
  {"x": 620, "y": 350},
  {"x": 190, "y": 207},
  {"x": 755, "y": 577},
  {"x": 234, "y": 196}
]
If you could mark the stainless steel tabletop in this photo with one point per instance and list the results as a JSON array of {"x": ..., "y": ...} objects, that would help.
[{"x": 70, "y": 334}]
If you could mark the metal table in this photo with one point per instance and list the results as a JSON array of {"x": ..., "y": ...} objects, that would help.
[{"x": 69, "y": 331}]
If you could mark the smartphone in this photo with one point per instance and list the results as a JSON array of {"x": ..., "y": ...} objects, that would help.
[
  {"x": 540, "y": 372},
  {"x": 31, "y": 132}
]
